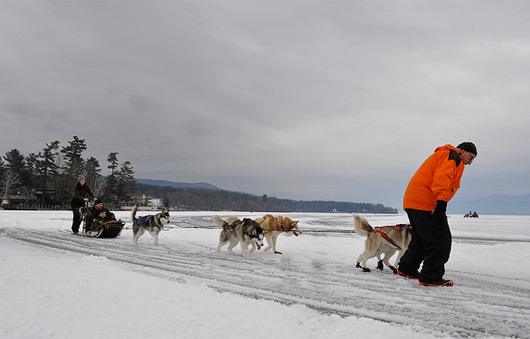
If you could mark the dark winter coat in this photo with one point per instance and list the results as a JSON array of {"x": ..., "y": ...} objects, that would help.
[
  {"x": 94, "y": 215},
  {"x": 80, "y": 193}
]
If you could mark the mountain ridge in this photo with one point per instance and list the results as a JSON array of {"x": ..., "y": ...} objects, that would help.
[
  {"x": 497, "y": 204},
  {"x": 197, "y": 185},
  {"x": 204, "y": 196}
]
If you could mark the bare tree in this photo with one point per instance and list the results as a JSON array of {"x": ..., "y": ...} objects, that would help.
[
  {"x": 11, "y": 179},
  {"x": 98, "y": 186}
]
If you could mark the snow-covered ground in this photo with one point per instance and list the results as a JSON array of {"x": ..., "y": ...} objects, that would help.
[{"x": 54, "y": 284}]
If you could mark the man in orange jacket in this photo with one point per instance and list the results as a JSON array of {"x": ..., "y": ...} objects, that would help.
[{"x": 425, "y": 201}]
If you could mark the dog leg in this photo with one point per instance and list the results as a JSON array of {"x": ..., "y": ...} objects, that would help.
[
  {"x": 244, "y": 247},
  {"x": 388, "y": 255},
  {"x": 269, "y": 242},
  {"x": 364, "y": 257},
  {"x": 253, "y": 247},
  {"x": 379, "y": 261},
  {"x": 364, "y": 268},
  {"x": 221, "y": 244},
  {"x": 154, "y": 234},
  {"x": 233, "y": 243},
  {"x": 274, "y": 239},
  {"x": 361, "y": 263},
  {"x": 137, "y": 236},
  {"x": 398, "y": 258}
]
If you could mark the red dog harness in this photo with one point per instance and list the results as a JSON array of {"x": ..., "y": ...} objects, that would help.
[{"x": 386, "y": 237}]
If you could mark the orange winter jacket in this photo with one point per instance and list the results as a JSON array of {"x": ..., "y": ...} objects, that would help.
[{"x": 438, "y": 178}]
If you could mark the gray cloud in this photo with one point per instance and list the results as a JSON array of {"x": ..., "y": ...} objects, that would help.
[{"x": 337, "y": 100}]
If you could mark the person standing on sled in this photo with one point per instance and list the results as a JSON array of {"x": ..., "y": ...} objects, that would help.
[
  {"x": 425, "y": 201},
  {"x": 82, "y": 192}
]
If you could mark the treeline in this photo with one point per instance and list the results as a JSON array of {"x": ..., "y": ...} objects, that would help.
[
  {"x": 46, "y": 179},
  {"x": 219, "y": 200}
]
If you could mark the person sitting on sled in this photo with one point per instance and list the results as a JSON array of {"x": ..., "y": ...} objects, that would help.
[{"x": 98, "y": 215}]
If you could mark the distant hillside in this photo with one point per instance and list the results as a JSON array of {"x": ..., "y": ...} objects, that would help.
[
  {"x": 502, "y": 204},
  {"x": 208, "y": 197},
  {"x": 197, "y": 185}
]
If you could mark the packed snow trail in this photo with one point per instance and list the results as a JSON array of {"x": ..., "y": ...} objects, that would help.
[{"x": 478, "y": 305}]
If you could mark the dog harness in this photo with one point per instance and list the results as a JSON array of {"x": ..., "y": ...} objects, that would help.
[
  {"x": 385, "y": 236},
  {"x": 144, "y": 223},
  {"x": 282, "y": 228}
]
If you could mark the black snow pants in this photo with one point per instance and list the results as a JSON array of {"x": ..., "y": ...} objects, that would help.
[
  {"x": 430, "y": 244},
  {"x": 76, "y": 220}
]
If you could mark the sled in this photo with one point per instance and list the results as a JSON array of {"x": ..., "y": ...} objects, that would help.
[{"x": 109, "y": 229}]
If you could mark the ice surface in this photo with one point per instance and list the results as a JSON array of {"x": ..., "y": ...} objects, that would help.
[{"x": 58, "y": 285}]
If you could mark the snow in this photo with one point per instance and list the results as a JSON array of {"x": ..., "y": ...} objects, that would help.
[{"x": 58, "y": 285}]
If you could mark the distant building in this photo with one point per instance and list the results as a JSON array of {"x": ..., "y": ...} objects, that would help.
[{"x": 155, "y": 203}]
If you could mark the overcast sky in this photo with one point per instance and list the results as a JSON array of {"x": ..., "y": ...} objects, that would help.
[{"x": 325, "y": 100}]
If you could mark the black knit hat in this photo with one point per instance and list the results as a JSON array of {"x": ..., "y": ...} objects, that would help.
[
  {"x": 468, "y": 146},
  {"x": 98, "y": 202}
]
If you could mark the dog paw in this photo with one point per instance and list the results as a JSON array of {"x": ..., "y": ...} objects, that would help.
[
  {"x": 358, "y": 265},
  {"x": 276, "y": 252},
  {"x": 366, "y": 269}
]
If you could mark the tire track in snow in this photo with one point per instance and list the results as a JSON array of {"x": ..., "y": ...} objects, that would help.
[{"x": 480, "y": 305}]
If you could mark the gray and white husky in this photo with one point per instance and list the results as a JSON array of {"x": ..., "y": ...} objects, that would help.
[
  {"x": 150, "y": 223},
  {"x": 245, "y": 232}
]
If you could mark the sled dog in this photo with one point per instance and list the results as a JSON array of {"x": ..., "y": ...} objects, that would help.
[
  {"x": 244, "y": 232},
  {"x": 150, "y": 223},
  {"x": 274, "y": 226},
  {"x": 385, "y": 240}
]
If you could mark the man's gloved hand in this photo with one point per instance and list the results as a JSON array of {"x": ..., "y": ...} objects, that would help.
[{"x": 441, "y": 208}]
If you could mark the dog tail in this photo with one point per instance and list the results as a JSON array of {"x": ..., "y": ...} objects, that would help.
[
  {"x": 218, "y": 221},
  {"x": 232, "y": 218},
  {"x": 361, "y": 225},
  {"x": 133, "y": 212}
]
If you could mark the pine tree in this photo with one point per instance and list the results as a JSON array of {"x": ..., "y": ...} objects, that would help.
[
  {"x": 111, "y": 181},
  {"x": 125, "y": 182},
  {"x": 32, "y": 168},
  {"x": 93, "y": 176},
  {"x": 16, "y": 165},
  {"x": 47, "y": 167},
  {"x": 74, "y": 165},
  {"x": 2, "y": 168}
]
